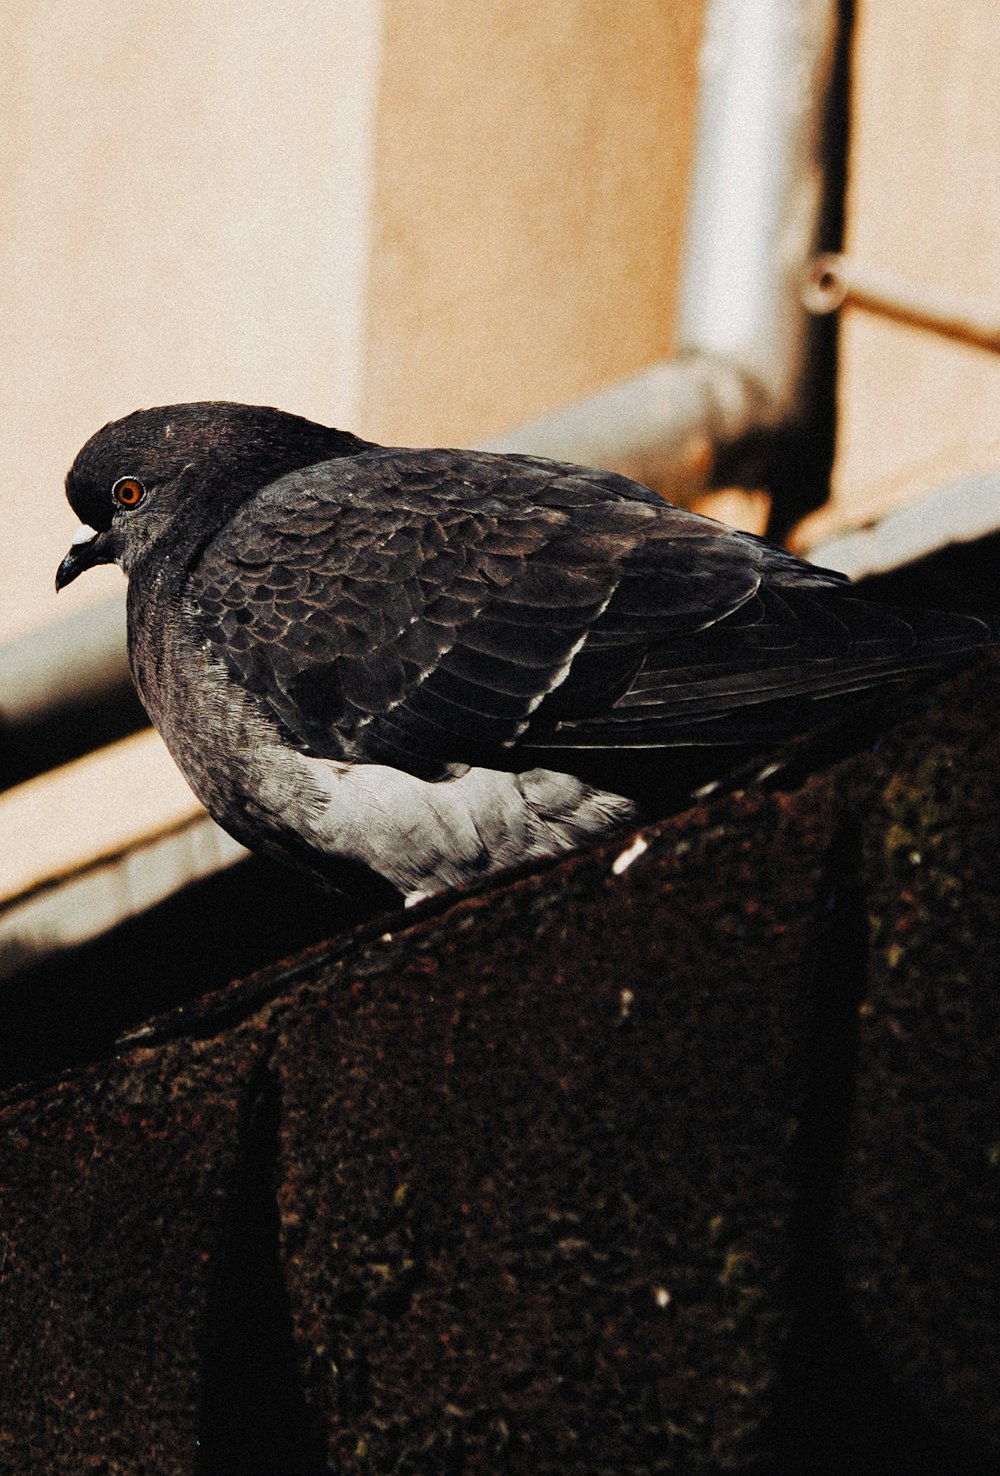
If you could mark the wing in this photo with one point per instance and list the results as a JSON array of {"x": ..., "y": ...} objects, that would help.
[
  {"x": 432, "y": 609},
  {"x": 418, "y": 608},
  {"x": 790, "y": 659}
]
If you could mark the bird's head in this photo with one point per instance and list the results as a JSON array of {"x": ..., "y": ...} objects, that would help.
[{"x": 182, "y": 468}]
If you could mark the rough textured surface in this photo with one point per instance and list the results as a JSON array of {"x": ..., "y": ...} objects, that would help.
[
  {"x": 561, "y": 1227},
  {"x": 114, "y": 1183},
  {"x": 920, "y": 1226},
  {"x": 687, "y": 1165}
]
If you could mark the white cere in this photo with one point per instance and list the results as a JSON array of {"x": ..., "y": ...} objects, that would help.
[{"x": 84, "y": 534}]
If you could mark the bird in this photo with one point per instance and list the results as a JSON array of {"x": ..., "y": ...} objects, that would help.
[{"x": 424, "y": 666}]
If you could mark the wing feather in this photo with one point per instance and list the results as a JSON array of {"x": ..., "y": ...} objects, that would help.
[{"x": 427, "y": 609}]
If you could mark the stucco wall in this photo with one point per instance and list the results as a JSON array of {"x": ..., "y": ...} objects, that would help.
[
  {"x": 531, "y": 168},
  {"x": 923, "y": 202}
]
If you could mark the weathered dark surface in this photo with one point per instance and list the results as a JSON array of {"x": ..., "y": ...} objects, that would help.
[
  {"x": 552, "y": 1112},
  {"x": 114, "y": 1184},
  {"x": 670, "y": 1170},
  {"x": 920, "y": 1224}
]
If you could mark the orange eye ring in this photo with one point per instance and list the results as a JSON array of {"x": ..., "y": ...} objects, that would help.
[{"x": 128, "y": 492}]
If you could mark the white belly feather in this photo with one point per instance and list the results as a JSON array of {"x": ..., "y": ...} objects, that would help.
[
  {"x": 423, "y": 836},
  {"x": 426, "y": 836}
]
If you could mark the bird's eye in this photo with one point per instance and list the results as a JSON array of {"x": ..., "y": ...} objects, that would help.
[{"x": 128, "y": 492}]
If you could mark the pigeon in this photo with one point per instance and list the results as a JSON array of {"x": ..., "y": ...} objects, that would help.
[{"x": 426, "y": 666}]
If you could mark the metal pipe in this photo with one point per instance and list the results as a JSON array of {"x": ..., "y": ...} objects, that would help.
[
  {"x": 84, "y": 658},
  {"x": 754, "y": 219},
  {"x": 836, "y": 281},
  {"x": 758, "y": 189},
  {"x": 664, "y": 427},
  {"x": 64, "y": 690}
]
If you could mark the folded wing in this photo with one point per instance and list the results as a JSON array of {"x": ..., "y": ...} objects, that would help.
[{"x": 436, "y": 609}]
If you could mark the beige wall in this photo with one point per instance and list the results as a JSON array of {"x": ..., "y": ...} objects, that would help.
[
  {"x": 531, "y": 168},
  {"x": 419, "y": 218},
  {"x": 924, "y": 201},
  {"x": 184, "y": 194}
]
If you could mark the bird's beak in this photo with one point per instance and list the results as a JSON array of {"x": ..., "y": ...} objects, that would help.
[{"x": 87, "y": 548}]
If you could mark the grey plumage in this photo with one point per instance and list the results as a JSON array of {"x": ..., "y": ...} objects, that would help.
[{"x": 436, "y": 663}]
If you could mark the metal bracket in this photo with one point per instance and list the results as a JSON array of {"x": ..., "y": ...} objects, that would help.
[{"x": 836, "y": 281}]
